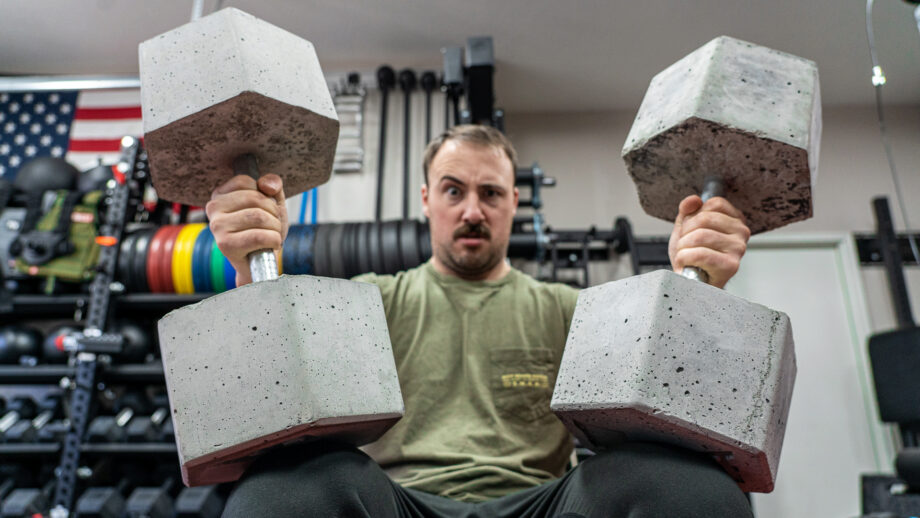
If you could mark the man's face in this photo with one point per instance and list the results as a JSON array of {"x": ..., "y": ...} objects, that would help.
[{"x": 470, "y": 202}]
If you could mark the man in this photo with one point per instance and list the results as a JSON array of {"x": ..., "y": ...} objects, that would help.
[{"x": 463, "y": 325}]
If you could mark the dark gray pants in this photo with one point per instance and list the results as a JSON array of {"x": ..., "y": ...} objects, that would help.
[{"x": 635, "y": 480}]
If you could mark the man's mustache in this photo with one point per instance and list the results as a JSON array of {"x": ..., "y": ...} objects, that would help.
[{"x": 475, "y": 230}]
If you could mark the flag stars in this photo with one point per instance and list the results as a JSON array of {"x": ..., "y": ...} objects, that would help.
[
  {"x": 56, "y": 151},
  {"x": 25, "y": 118},
  {"x": 15, "y": 160},
  {"x": 14, "y": 107},
  {"x": 4, "y": 149},
  {"x": 28, "y": 98},
  {"x": 2, "y": 170},
  {"x": 35, "y": 128},
  {"x": 54, "y": 98},
  {"x": 45, "y": 141},
  {"x": 50, "y": 118},
  {"x": 61, "y": 129},
  {"x": 20, "y": 139},
  {"x": 39, "y": 108},
  {"x": 4, "y": 98},
  {"x": 65, "y": 108},
  {"x": 31, "y": 150},
  {"x": 9, "y": 127}
]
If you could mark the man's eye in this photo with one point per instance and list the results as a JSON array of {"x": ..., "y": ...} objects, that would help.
[
  {"x": 453, "y": 191},
  {"x": 491, "y": 193}
]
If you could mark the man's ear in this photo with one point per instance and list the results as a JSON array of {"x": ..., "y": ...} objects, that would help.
[
  {"x": 517, "y": 195},
  {"x": 425, "y": 201}
]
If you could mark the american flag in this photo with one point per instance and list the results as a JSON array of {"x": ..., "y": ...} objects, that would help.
[{"x": 83, "y": 127}]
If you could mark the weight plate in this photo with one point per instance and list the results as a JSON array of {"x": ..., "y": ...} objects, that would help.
[
  {"x": 166, "y": 258},
  {"x": 408, "y": 244},
  {"x": 229, "y": 274},
  {"x": 305, "y": 252},
  {"x": 296, "y": 262},
  {"x": 336, "y": 258},
  {"x": 373, "y": 247},
  {"x": 139, "y": 260},
  {"x": 389, "y": 246},
  {"x": 289, "y": 249},
  {"x": 123, "y": 270},
  {"x": 152, "y": 267},
  {"x": 319, "y": 236},
  {"x": 424, "y": 241},
  {"x": 349, "y": 259},
  {"x": 182, "y": 258},
  {"x": 361, "y": 254},
  {"x": 201, "y": 277},
  {"x": 217, "y": 269}
]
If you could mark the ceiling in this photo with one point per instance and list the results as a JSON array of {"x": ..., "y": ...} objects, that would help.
[{"x": 550, "y": 55}]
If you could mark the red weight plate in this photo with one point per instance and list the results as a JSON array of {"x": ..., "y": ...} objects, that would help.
[
  {"x": 154, "y": 250},
  {"x": 169, "y": 243}
]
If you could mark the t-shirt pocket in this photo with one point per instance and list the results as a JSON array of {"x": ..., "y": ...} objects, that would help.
[{"x": 522, "y": 382}]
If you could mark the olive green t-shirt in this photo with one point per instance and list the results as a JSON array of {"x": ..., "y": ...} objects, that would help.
[{"x": 477, "y": 363}]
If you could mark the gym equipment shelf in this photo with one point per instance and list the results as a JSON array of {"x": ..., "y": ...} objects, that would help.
[{"x": 135, "y": 374}]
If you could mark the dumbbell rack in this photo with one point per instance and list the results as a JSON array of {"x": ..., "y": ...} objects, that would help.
[{"x": 89, "y": 367}]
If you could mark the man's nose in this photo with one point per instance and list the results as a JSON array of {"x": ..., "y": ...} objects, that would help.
[{"x": 472, "y": 212}]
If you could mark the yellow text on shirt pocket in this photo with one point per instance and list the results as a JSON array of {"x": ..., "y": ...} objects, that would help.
[{"x": 522, "y": 381}]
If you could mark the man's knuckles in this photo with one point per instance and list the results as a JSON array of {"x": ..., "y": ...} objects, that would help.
[{"x": 240, "y": 244}]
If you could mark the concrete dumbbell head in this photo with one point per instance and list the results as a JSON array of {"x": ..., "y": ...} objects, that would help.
[
  {"x": 658, "y": 357},
  {"x": 230, "y": 84},
  {"x": 283, "y": 358},
  {"x": 275, "y": 360},
  {"x": 749, "y": 114}
]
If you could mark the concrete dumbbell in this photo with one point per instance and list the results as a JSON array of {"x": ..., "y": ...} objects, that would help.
[
  {"x": 280, "y": 358},
  {"x": 660, "y": 356}
]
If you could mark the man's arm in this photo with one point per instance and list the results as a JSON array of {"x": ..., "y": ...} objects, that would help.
[{"x": 712, "y": 236}]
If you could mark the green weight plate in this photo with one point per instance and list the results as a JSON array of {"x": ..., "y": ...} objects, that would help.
[{"x": 217, "y": 269}]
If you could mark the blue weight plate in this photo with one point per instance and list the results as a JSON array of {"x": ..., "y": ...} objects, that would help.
[
  {"x": 289, "y": 250},
  {"x": 304, "y": 258},
  {"x": 229, "y": 274},
  {"x": 201, "y": 255}
]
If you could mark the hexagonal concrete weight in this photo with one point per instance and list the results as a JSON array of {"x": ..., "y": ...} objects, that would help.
[
  {"x": 229, "y": 84},
  {"x": 273, "y": 361},
  {"x": 658, "y": 357},
  {"x": 749, "y": 114}
]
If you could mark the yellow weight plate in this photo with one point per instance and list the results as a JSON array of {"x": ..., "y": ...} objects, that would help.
[{"x": 182, "y": 258}]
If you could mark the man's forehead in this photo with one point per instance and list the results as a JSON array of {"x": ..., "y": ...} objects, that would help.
[{"x": 457, "y": 157}]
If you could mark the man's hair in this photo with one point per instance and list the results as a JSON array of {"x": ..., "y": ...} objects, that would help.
[{"x": 485, "y": 136}]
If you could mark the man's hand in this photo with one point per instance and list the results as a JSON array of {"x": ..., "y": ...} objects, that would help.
[
  {"x": 712, "y": 236},
  {"x": 246, "y": 216}
]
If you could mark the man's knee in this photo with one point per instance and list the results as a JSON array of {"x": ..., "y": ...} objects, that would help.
[
  {"x": 643, "y": 479},
  {"x": 320, "y": 480}
]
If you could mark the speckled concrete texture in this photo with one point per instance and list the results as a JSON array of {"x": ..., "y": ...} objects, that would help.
[
  {"x": 229, "y": 84},
  {"x": 659, "y": 357},
  {"x": 731, "y": 108},
  {"x": 270, "y": 361}
]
